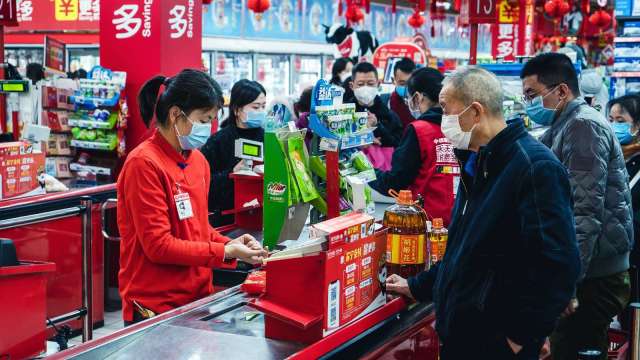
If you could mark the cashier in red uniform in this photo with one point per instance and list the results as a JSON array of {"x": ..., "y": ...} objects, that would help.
[
  {"x": 168, "y": 247},
  {"x": 424, "y": 161}
]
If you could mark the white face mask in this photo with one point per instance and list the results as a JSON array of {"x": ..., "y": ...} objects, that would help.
[
  {"x": 452, "y": 130},
  {"x": 344, "y": 76},
  {"x": 366, "y": 94}
]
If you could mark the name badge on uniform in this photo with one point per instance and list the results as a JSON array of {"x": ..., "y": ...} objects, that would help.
[{"x": 183, "y": 204}]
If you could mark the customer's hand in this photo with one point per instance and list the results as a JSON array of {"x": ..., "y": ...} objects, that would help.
[
  {"x": 571, "y": 308},
  {"x": 398, "y": 285},
  {"x": 239, "y": 166},
  {"x": 249, "y": 241},
  {"x": 372, "y": 120},
  {"x": 377, "y": 141},
  {"x": 235, "y": 250},
  {"x": 514, "y": 347}
]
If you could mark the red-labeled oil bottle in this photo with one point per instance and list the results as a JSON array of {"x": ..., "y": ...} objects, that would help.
[
  {"x": 438, "y": 237},
  {"x": 406, "y": 239}
]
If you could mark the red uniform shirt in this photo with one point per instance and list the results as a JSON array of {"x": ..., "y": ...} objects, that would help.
[
  {"x": 165, "y": 262},
  {"x": 439, "y": 174}
]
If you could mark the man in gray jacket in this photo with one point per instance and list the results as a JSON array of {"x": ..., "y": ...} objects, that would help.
[{"x": 585, "y": 143}]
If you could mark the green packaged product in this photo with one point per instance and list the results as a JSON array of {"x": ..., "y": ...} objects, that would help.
[
  {"x": 347, "y": 109},
  {"x": 361, "y": 162},
  {"x": 319, "y": 169},
  {"x": 297, "y": 156},
  {"x": 339, "y": 124},
  {"x": 321, "y": 205},
  {"x": 360, "y": 121},
  {"x": 323, "y": 113}
]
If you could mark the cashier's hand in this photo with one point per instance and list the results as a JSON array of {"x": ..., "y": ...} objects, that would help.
[
  {"x": 235, "y": 250},
  {"x": 249, "y": 241},
  {"x": 398, "y": 285}
]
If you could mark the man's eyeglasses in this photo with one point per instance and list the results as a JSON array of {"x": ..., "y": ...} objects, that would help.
[{"x": 527, "y": 99}]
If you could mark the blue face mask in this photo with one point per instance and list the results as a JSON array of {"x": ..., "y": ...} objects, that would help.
[
  {"x": 255, "y": 119},
  {"x": 197, "y": 137},
  {"x": 623, "y": 132},
  {"x": 540, "y": 114},
  {"x": 401, "y": 91}
]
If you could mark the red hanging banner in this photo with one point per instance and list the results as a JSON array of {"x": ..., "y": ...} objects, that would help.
[
  {"x": 55, "y": 15},
  {"x": 8, "y": 13},
  {"x": 478, "y": 12}
]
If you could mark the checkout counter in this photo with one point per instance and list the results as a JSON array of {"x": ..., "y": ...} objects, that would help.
[
  {"x": 50, "y": 228},
  {"x": 223, "y": 326}
]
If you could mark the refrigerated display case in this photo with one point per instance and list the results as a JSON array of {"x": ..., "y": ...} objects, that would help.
[
  {"x": 327, "y": 64},
  {"x": 306, "y": 72},
  {"x": 272, "y": 71},
  {"x": 20, "y": 56},
  {"x": 206, "y": 62},
  {"x": 82, "y": 58},
  {"x": 227, "y": 68}
]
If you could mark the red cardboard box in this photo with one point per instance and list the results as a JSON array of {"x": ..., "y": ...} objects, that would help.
[
  {"x": 59, "y": 144},
  {"x": 19, "y": 175},
  {"x": 309, "y": 297},
  {"x": 56, "y": 120},
  {"x": 15, "y": 148},
  {"x": 344, "y": 229}
]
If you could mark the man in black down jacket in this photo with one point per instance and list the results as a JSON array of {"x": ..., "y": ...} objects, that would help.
[
  {"x": 365, "y": 96},
  {"x": 585, "y": 143},
  {"x": 511, "y": 262}
]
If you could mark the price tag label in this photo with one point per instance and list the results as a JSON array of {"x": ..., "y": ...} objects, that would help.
[{"x": 327, "y": 144}]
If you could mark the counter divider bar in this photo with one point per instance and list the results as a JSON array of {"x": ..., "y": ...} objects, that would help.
[{"x": 41, "y": 217}]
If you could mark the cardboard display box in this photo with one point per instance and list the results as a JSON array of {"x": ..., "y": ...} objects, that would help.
[
  {"x": 19, "y": 173},
  {"x": 311, "y": 296},
  {"x": 344, "y": 229},
  {"x": 59, "y": 144}
]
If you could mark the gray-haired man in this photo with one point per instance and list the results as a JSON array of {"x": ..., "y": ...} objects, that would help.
[{"x": 511, "y": 262}]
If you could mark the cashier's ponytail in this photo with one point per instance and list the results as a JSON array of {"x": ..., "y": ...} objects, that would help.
[{"x": 189, "y": 90}]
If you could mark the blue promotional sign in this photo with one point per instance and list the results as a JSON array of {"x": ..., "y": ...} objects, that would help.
[
  {"x": 381, "y": 21},
  {"x": 222, "y": 18},
  {"x": 283, "y": 21},
  {"x": 402, "y": 28},
  {"x": 318, "y": 13},
  {"x": 623, "y": 7}
]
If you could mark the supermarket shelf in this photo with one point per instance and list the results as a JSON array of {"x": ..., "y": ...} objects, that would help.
[
  {"x": 627, "y": 18},
  {"x": 92, "y": 145},
  {"x": 626, "y": 74},
  {"x": 93, "y": 169},
  {"x": 91, "y": 124},
  {"x": 622, "y": 39}
]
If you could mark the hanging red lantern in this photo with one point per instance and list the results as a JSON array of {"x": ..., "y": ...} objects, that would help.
[
  {"x": 416, "y": 20},
  {"x": 556, "y": 8},
  {"x": 258, "y": 7},
  {"x": 601, "y": 19},
  {"x": 353, "y": 14}
]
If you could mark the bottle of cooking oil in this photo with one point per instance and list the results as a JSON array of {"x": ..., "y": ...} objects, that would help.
[
  {"x": 406, "y": 239},
  {"x": 438, "y": 237}
]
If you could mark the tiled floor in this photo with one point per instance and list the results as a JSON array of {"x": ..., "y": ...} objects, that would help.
[{"x": 112, "y": 323}]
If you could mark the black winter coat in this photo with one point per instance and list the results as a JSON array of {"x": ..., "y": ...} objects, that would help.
[{"x": 219, "y": 152}]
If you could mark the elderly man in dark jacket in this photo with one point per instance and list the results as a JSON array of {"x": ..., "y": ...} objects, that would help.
[
  {"x": 585, "y": 143},
  {"x": 511, "y": 263}
]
